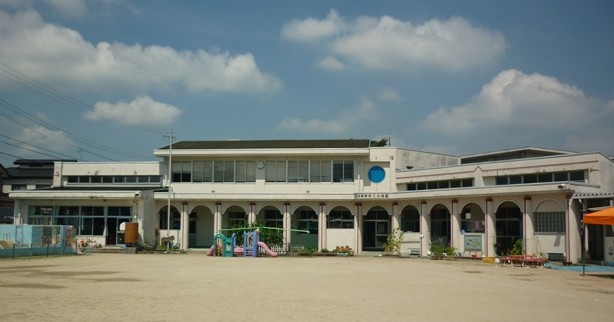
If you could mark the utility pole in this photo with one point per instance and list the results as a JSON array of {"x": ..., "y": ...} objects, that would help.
[{"x": 171, "y": 137}]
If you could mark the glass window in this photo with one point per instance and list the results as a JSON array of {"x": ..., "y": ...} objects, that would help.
[
  {"x": 343, "y": 171},
  {"x": 410, "y": 220},
  {"x": 544, "y": 177},
  {"x": 529, "y": 178},
  {"x": 411, "y": 186},
  {"x": 273, "y": 218},
  {"x": 186, "y": 171},
  {"x": 325, "y": 171},
  {"x": 119, "y": 179},
  {"x": 131, "y": 179},
  {"x": 236, "y": 219},
  {"x": 467, "y": 182},
  {"x": 308, "y": 220},
  {"x": 107, "y": 179},
  {"x": 576, "y": 176},
  {"x": 73, "y": 179},
  {"x": 550, "y": 222},
  {"x": 208, "y": 171},
  {"x": 229, "y": 171},
  {"x": 218, "y": 171},
  {"x": 197, "y": 171},
  {"x": 314, "y": 169},
  {"x": 502, "y": 180},
  {"x": 250, "y": 171},
  {"x": 241, "y": 171},
  {"x": 455, "y": 184},
  {"x": 516, "y": 179},
  {"x": 340, "y": 219},
  {"x": 561, "y": 176},
  {"x": 275, "y": 171}
]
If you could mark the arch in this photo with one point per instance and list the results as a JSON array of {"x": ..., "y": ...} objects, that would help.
[
  {"x": 473, "y": 218},
  {"x": 175, "y": 218},
  {"x": 234, "y": 216},
  {"x": 410, "y": 219},
  {"x": 375, "y": 229},
  {"x": 440, "y": 221},
  {"x": 270, "y": 216},
  {"x": 305, "y": 218},
  {"x": 340, "y": 217},
  {"x": 508, "y": 225},
  {"x": 200, "y": 227},
  {"x": 549, "y": 205}
]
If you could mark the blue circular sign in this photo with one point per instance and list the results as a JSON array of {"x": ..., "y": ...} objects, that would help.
[{"x": 377, "y": 174}]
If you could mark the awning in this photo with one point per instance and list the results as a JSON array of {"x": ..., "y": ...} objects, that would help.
[{"x": 602, "y": 217}]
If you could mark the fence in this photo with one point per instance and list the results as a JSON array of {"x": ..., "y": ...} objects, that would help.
[{"x": 35, "y": 240}]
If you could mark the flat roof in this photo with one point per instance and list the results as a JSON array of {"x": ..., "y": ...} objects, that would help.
[{"x": 270, "y": 144}]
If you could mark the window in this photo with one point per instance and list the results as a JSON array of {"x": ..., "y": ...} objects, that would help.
[
  {"x": 550, "y": 222},
  {"x": 197, "y": 171},
  {"x": 340, "y": 218},
  {"x": 343, "y": 171},
  {"x": 276, "y": 171},
  {"x": 236, "y": 219},
  {"x": 182, "y": 171},
  {"x": 410, "y": 220},
  {"x": 308, "y": 220},
  {"x": 17, "y": 187},
  {"x": 273, "y": 218},
  {"x": 320, "y": 171},
  {"x": 298, "y": 171},
  {"x": 245, "y": 171},
  {"x": 229, "y": 171}
]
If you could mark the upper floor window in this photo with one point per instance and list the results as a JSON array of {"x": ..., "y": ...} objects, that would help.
[
  {"x": 343, "y": 171},
  {"x": 561, "y": 176},
  {"x": 440, "y": 184}
]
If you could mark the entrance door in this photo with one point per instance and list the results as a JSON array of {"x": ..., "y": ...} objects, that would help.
[
  {"x": 192, "y": 230},
  {"x": 376, "y": 230},
  {"x": 112, "y": 232},
  {"x": 508, "y": 223}
]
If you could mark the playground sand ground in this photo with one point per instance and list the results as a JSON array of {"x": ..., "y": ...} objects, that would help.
[{"x": 195, "y": 287}]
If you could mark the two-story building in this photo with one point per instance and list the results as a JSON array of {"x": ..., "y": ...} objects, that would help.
[{"x": 343, "y": 192}]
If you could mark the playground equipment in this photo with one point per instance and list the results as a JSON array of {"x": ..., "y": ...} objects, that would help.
[
  {"x": 226, "y": 246},
  {"x": 223, "y": 246}
]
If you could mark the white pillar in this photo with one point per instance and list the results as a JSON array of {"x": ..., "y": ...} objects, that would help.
[
  {"x": 358, "y": 229},
  {"x": 185, "y": 226},
  {"x": 528, "y": 229},
  {"x": 395, "y": 216},
  {"x": 287, "y": 225},
  {"x": 455, "y": 235},
  {"x": 322, "y": 218},
  {"x": 489, "y": 228},
  {"x": 217, "y": 218},
  {"x": 425, "y": 233}
]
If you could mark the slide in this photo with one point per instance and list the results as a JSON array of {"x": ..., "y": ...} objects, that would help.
[{"x": 267, "y": 250}]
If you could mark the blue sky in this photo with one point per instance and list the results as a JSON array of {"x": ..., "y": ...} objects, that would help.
[{"x": 107, "y": 79}]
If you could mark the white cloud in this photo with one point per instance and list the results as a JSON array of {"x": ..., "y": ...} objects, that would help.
[
  {"x": 51, "y": 53},
  {"x": 312, "y": 29},
  {"x": 344, "y": 122},
  {"x": 330, "y": 63},
  {"x": 69, "y": 8},
  {"x": 142, "y": 111},
  {"x": 388, "y": 94},
  {"x": 387, "y": 43},
  {"x": 15, "y": 4},
  {"x": 519, "y": 109}
]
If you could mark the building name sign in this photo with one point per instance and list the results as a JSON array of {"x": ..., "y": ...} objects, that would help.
[{"x": 372, "y": 195}]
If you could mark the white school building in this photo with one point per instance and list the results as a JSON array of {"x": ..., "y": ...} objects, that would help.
[{"x": 344, "y": 192}]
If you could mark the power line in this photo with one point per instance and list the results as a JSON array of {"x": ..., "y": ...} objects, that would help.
[
  {"x": 64, "y": 98},
  {"x": 77, "y": 138}
]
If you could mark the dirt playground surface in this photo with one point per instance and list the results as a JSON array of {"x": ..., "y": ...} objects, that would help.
[{"x": 194, "y": 287}]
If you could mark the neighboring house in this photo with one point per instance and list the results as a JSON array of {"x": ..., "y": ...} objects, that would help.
[
  {"x": 6, "y": 204},
  {"x": 27, "y": 174},
  {"x": 344, "y": 192}
]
